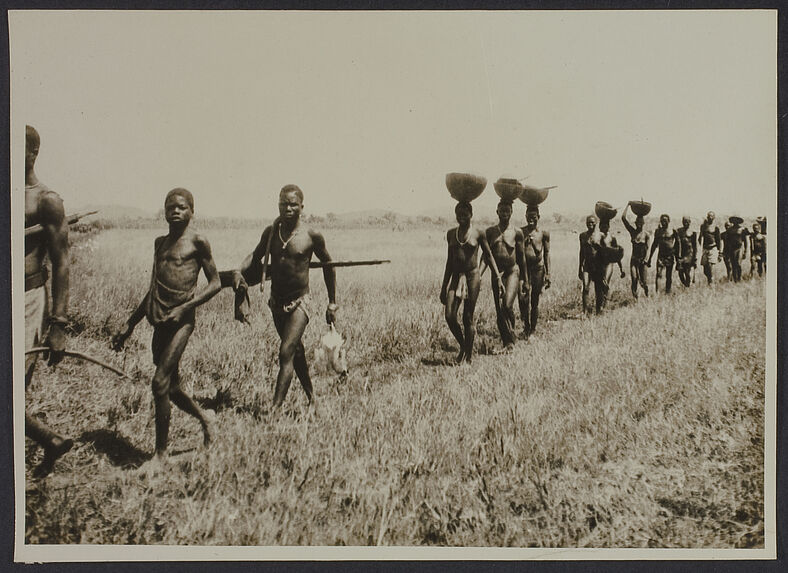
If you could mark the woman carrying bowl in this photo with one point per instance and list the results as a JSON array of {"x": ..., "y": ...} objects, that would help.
[{"x": 461, "y": 278}]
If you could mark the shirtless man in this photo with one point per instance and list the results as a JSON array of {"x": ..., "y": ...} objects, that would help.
[
  {"x": 735, "y": 245},
  {"x": 711, "y": 243},
  {"x": 506, "y": 245},
  {"x": 536, "y": 246},
  {"x": 667, "y": 241},
  {"x": 169, "y": 307},
  {"x": 757, "y": 250},
  {"x": 688, "y": 252},
  {"x": 640, "y": 243},
  {"x": 461, "y": 278},
  {"x": 590, "y": 268},
  {"x": 610, "y": 255},
  {"x": 725, "y": 255},
  {"x": 291, "y": 244},
  {"x": 44, "y": 207}
]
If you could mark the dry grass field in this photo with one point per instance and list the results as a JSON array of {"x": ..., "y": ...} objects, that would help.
[{"x": 642, "y": 427}]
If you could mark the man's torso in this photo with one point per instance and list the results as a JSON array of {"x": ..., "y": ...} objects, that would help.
[
  {"x": 289, "y": 267},
  {"x": 463, "y": 250},
  {"x": 503, "y": 246},
  {"x": 35, "y": 245},
  {"x": 177, "y": 262}
]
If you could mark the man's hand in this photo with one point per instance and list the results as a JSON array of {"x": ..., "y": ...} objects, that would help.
[
  {"x": 175, "y": 314},
  {"x": 623, "y": 275},
  {"x": 56, "y": 341},
  {"x": 648, "y": 263},
  {"x": 547, "y": 281},
  {"x": 331, "y": 313},
  {"x": 443, "y": 297},
  {"x": 120, "y": 337},
  {"x": 580, "y": 275}
]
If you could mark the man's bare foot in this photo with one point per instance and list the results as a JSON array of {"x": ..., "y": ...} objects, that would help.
[
  {"x": 460, "y": 357},
  {"x": 51, "y": 455},
  {"x": 156, "y": 465}
]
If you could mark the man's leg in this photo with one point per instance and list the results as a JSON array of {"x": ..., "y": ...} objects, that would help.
[
  {"x": 185, "y": 403},
  {"x": 302, "y": 370},
  {"x": 511, "y": 283},
  {"x": 500, "y": 318},
  {"x": 291, "y": 328},
  {"x": 668, "y": 276},
  {"x": 169, "y": 342},
  {"x": 451, "y": 309},
  {"x": 635, "y": 276},
  {"x": 707, "y": 270},
  {"x": 643, "y": 277},
  {"x": 658, "y": 277},
  {"x": 587, "y": 280},
  {"x": 54, "y": 445},
  {"x": 468, "y": 310},
  {"x": 537, "y": 283}
]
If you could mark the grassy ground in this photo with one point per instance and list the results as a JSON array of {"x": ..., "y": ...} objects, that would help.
[{"x": 642, "y": 427}]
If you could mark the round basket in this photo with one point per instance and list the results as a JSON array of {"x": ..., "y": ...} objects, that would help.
[
  {"x": 640, "y": 208},
  {"x": 508, "y": 189},
  {"x": 604, "y": 210},
  {"x": 464, "y": 186},
  {"x": 534, "y": 195}
]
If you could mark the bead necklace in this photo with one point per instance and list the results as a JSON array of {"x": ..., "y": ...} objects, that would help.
[
  {"x": 290, "y": 238},
  {"x": 467, "y": 236}
]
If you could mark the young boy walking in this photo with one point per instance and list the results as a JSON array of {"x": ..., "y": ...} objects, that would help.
[{"x": 169, "y": 307}]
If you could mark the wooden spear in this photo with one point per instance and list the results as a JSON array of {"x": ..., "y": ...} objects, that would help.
[{"x": 70, "y": 219}]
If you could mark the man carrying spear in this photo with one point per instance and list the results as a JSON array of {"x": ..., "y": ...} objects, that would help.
[
  {"x": 44, "y": 208},
  {"x": 290, "y": 246}
]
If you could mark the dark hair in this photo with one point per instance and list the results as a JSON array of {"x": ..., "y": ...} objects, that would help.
[
  {"x": 32, "y": 139},
  {"x": 181, "y": 192},
  {"x": 290, "y": 188},
  {"x": 463, "y": 205}
]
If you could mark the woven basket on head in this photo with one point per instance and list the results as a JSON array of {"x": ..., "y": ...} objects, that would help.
[
  {"x": 508, "y": 189},
  {"x": 465, "y": 186},
  {"x": 534, "y": 195},
  {"x": 640, "y": 208},
  {"x": 605, "y": 210}
]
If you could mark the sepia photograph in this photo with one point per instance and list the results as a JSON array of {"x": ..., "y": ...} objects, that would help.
[{"x": 423, "y": 285}]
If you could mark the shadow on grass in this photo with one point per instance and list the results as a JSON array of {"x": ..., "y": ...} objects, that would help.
[{"x": 119, "y": 450}]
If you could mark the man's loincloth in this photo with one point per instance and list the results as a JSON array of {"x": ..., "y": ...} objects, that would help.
[
  {"x": 665, "y": 261},
  {"x": 281, "y": 307},
  {"x": 162, "y": 299},
  {"x": 710, "y": 256},
  {"x": 36, "y": 312}
]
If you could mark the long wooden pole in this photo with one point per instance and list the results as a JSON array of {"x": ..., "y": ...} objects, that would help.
[{"x": 70, "y": 219}]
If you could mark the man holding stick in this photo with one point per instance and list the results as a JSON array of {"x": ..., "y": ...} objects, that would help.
[
  {"x": 45, "y": 208},
  {"x": 290, "y": 246}
]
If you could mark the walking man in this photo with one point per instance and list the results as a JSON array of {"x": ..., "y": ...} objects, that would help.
[{"x": 44, "y": 207}]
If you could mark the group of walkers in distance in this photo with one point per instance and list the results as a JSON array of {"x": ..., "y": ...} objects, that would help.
[{"x": 519, "y": 260}]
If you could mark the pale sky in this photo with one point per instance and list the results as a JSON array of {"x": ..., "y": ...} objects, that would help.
[{"x": 371, "y": 110}]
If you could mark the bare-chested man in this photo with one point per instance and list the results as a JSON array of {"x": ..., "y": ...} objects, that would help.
[
  {"x": 757, "y": 250},
  {"x": 461, "y": 278},
  {"x": 735, "y": 245},
  {"x": 590, "y": 268},
  {"x": 169, "y": 304},
  {"x": 506, "y": 245},
  {"x": 640, "y": 243},
  {"x": 536, "y": 247},
  {"x": 725, "y": 255},
  {"x": 44, "y": 207},
  {"x": 291, "y": 244},
  {"x": 688, "y": 252},
  {"x": 711, "y": 244},
  {"x": 666, "y": 240},
  {"x": 610, "y": 254}
]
